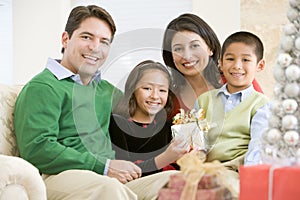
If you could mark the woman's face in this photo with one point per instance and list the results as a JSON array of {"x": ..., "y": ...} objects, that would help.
[
  {"x": 190, "y": 53},
  {"x": 151, "y": 93}
]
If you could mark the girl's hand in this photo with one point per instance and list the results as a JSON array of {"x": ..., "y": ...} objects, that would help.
[{"x": 175, "y": 150}]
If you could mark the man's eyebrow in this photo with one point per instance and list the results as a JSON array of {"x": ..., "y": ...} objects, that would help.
[{"x": 88, "y": 33}]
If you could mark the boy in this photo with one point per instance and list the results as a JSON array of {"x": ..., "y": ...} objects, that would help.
[{"x": 240, "y": 112}]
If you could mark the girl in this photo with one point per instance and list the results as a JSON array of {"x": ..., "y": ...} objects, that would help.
[{"x": 139, "y": 130}]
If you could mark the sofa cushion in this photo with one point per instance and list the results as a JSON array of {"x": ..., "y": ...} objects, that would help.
[
  {"x": 8, "y": 95},
  {"x": 18, "y": 174}
]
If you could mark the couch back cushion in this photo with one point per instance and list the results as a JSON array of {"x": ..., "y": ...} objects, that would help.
[{"x": 8, "y": 95}]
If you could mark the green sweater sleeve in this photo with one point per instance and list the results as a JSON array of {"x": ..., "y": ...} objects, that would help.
[{"x": 47, "y": 135}]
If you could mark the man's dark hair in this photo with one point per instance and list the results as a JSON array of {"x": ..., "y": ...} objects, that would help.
[{"x": 80, "y": 13}]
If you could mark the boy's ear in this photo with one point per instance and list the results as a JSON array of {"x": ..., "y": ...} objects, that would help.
[{"x": 260, "y": 65}]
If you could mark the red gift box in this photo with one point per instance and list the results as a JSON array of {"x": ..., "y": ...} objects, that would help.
[
  {"x": 217, "y": 193},
  {"x": 265, "y": 182},
  {"x": 178, "y": 181},
  {"x": 208, "y": 188}
]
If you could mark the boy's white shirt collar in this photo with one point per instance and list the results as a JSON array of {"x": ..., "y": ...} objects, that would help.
[{"x": 243, "y": 93}]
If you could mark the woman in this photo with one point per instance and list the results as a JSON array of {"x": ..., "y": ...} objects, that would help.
[{"x": 192, "y": 49}]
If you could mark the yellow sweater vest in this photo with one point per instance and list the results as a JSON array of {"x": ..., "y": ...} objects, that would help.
[{"x": 229, "y": 140}]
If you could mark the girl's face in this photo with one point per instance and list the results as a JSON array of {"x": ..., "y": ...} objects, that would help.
[
  {"x": 151, "y": 93},
  {"x": 190, "y": 53},
  {"x": 239, "y": 65}
]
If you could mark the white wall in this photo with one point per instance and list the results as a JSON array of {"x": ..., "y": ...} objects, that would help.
[
  {"x": 6, "y": 51},
  {"x": 222, "y": 16},
  {"x": 37, "y": 28}
]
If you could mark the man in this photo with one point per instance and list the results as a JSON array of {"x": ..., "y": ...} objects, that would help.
[{"x": 62, "y": 118}]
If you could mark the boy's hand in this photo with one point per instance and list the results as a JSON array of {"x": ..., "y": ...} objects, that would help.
[{"x": 124, "y": 171}]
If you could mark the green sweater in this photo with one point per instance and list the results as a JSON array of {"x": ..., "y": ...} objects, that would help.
[
  {"x": 63, "y": 125},
  {"x": 230, "y": 138}
]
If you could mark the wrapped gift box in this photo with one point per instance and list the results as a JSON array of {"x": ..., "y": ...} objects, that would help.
[
  {"x": 217, "y": 193},
  {"x": 261, "y": 181},
  {"x": 177, "y": 181},
  {"x": 190, "y": 133},
  {"x": 208, "y": 188}
]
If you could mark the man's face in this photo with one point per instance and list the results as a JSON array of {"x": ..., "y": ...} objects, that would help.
[{"x": 87, "y": 49}]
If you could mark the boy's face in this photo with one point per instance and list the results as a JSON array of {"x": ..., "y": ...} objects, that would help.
[{"x": 239, "y": 65}]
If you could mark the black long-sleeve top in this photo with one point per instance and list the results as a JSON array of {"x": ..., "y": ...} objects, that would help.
[{"x": 138, "y": 142}]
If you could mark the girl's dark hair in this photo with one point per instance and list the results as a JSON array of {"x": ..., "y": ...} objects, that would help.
[
  {"x": 80, "y": 13},
  {"x": 193, "y": 23},
  {"x": 246, "y": 38},
  {"x": 127, "y": 106}
]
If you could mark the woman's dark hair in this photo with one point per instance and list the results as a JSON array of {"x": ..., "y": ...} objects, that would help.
[
  {"x": 80, "y": 13},
  {"x": 193, "y": 23},
  {"x": 127, "y": 106}
]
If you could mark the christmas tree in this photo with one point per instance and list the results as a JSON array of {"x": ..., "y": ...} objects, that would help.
[{"x": 281, "y": 141}]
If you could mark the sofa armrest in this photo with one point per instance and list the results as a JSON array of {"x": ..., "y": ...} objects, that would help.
[{"x": 18, "y": 174}]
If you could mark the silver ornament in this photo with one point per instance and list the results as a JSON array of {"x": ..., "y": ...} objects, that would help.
[
  {"x": 290, "y": 29},
  {"x": 294, "y": 3},
  {"x": 274, "y": 122},
  {"x": 275, "y": 106},
  {"x": 278, "y": 89},
  {"x": 269, "y": 151},
  {"x": 298, "y": 153},
  {"x": 284, "y": 59},
  {"x": 273, "y": 135},
  {"x": 291, "y": 138},
  {"x": 287, "y": 43},
  {"x": 278, "y": 74},
  {"x": 292, "y": 72},
  {"x": 292, "y": 14},
  {"x": 297, "y": 43},
  {"x": 289, "y": 106},
  {"x": 289, "y": 122},
  {"x": 292, "y": 90}
]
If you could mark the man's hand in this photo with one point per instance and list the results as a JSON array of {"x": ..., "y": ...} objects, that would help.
[{"x": 124, "y": 171}]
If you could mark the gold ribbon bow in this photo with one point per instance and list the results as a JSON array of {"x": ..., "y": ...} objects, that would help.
[{"x": 194, "y": 167}]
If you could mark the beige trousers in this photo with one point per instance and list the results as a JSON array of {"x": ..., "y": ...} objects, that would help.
[{"x": 88, "y": 185}]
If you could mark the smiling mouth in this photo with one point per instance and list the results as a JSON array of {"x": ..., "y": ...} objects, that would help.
[
  {"x": 92, "y": 58},
  {"x": 237, "y": 74},
  {"x": 190, "y": 64},
  {"x": 153, "y": 103}
]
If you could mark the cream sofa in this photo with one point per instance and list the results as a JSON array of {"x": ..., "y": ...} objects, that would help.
[{"x": 19, "y": 180}]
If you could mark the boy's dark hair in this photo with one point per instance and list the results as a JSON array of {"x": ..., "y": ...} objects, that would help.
[
  {"x": 246, "y": 38},
  {"x": 80, "y": 13},
  {"x": 127, "y": 105},
  {"x": 193, "y": 23}
]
